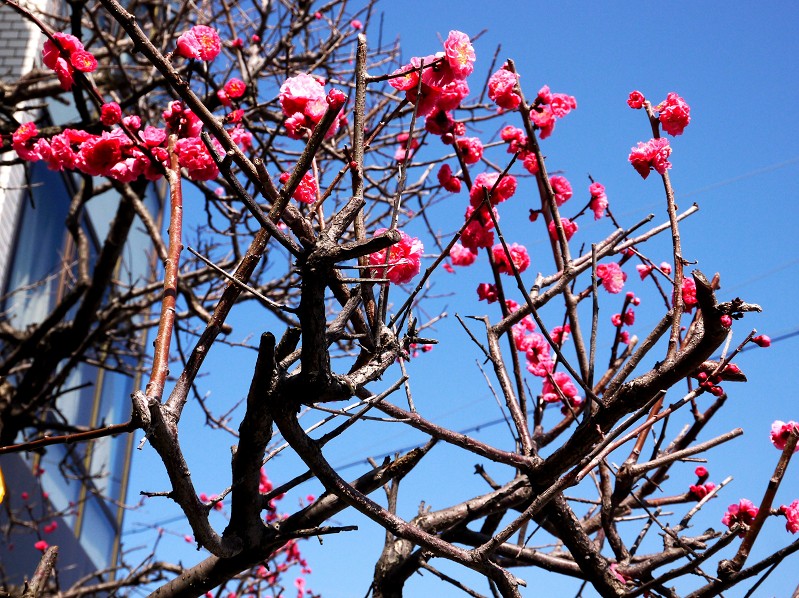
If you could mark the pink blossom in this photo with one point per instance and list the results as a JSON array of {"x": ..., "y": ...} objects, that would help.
[
  {"x": 41, "y": 545},
  {"x": 564, "y": 383},
  {"x": 562, "y": 189},
  {"x": 99, "y": 154},
  {"x": 403, "y": 149},
  {"x": 791, "y": 513},
  {"x": 514, "y": 137},
  {"x": 781, "y": 432},
  {"x": 530, "y": 162},
  {"x": 501, "y": 89},
  {"x": 51, "y": 527},
  {"x": 688, "y": 294},
  {"x": 539, "y": 362},
  {"x": 356, "y": 24},
  {"x": 83, "y": 61},
  {"x": 152, "y": 136},
  {"x": 439, "y": 122},
  {"x": 487, "y": 292},
  {"x": 235, "y": 88},
  {"x": 612, "y": 277},
  {"x": 653, "y": 154},
  {"x": 560, "y": 103},
  {"x": 762, "y": 341},
  {"x": 636, "y": 100},
  {"x": 701, "y": 472},
  {"x": 700, "y": 491},
  {"x": 569, "y": 228},
  {"x": 460, "y": 54},
  {"x": 665, "y": 267},
  {"x": 599, "y": 201},
  {"x": 110, "y": 114},
  {"x": 505, "y": 188},
  {"x": 470, "y": 149},
  {"x": 744, "y": 512},
  {"x": 195, "y": 158},
  {"x": 24, "y": 142},
  {"x": 200, "y": 42},
  {"x": 307, "y": 189},
  {"x": 404, "y": 78},
  {"x": 478, "y": 233},
  {"x": 544, "y": 118},
  {"x": 644, "y": 270},
  {"x": 518, "y": 255},
  {"x": 447, "y": 180},
  {"x": 302, "y": 99},
  {"x": 403, "y": 259},
  {"x": 674, "y": 114},
  {"x": 462, "y": 256},
  {"x": 560, "y": 334}
]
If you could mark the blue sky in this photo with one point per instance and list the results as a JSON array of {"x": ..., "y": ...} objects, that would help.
[{"x": 736, "y": 66}]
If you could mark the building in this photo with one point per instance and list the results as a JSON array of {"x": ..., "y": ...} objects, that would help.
[{"x": 71, "y": 496}]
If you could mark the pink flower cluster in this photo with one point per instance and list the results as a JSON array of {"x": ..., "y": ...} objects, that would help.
[
  {"x": 441, "y": 85},
  {"x": 674, "y": 114},
  {"x": 791, "y": 513},
  {"x": 548, "y": 108},
  {"x": 599, "y": 201},
  {"x": 399, "y": 263},
  {"x": 518, "y": 143},
  {"x": 448, "y": 180},
  {"x": 303, "y": 101},
  {"x": 489, "y": 183},
  {"x": 702, "y": 487},
  {"x": 612, "y": 277},
  {"x": 67, "y": 58},
  {"x": 654, "y": 154},
  {"x": 563, "y": 390},
  {"x": 518, "y": 255},
  {"x": 645, "y": 270},
  {"x": 502, "y": 89}
]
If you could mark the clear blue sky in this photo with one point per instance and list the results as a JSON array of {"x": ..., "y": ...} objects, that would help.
[{"x": 736, "y": 66}]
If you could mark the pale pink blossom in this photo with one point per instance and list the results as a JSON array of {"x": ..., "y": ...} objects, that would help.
[
  {"x": 674, "y": 114},
  {"x": 653, "y": 154},
  {"x": 612, "y": 277},
  {"x": 501, "y": 89},
  {"x": 518, "y": 255},
  {"x": 403, "y": 261},
  {"x": 200, "y": 42},
  {"x": 460, "y": 54},
  {"x": 781, "y": 431},
  {"x": 302, "y": 99}
]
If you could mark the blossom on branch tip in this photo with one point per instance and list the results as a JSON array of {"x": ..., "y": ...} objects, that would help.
[
  {"x": 200, "y": 42},
  {"x": 653, "y": 154},
  {"x": 400, "y": 262},
  {"x": 74, "y": 56},
  {"x": 781, "y": 432},
  {"x": 762, "y": 341},
  {"x": 303, "y": 101},
  {"x": 447, "y": 180},
  {"x": 791, "y": 513},
  {"x": 744, "y": 513},
  {"x": 674, "y": 114},
  {"x": 599, "y": 201},
  {"x": 460, "y": 54},
  {"x": 636, "y": 100},
  {"x": 195, "y": 158},
  {"x": 539, "y": 361}
]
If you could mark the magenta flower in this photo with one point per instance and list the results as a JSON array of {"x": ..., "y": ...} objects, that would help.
[
  {"x": 674, "y": 114},
  {"x": 518, "y": 254},
  {"x": 653, "y": 154},
  {"x": 636, "y": 100},
  {"x": 235, "y": 88},
  {"x": 195, "y": 158},
  {"x": 599, "y": 201},
  {"x": 307, "y": 190},
  {"x": 486, "y": 292},
  {"x": 781, "y": 431},
  {"x": 200, "y": 42},
  {"x": 403, "y": 261},
  {"x": 744, "y": 513},
  {"x": 478, "y": 233},
  {"x": 689, "y": 294},
  {"x": 303, "y": 101},
  {"x": 110, "y": 114},
  {"x": 501, "y": 89},
  {"x": 470, "y": 149},
  {"x": 569, "y": 228},
  {"x": 447, "y": 180},
  {"x": 73, "y": 57},
  {"x": 762, "y": 340},
  {"x": 791, "y": 513},
  {"x": 461, "y": 256},
  {"x": 566, "y": 386},
  {"x": 562, "y": 189},
  {"x": 539, "y": 361},
  {"x": 612, "y": 277},
  {"x": 41, "y": 545},
  {"x": 504, "y": 190}
]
